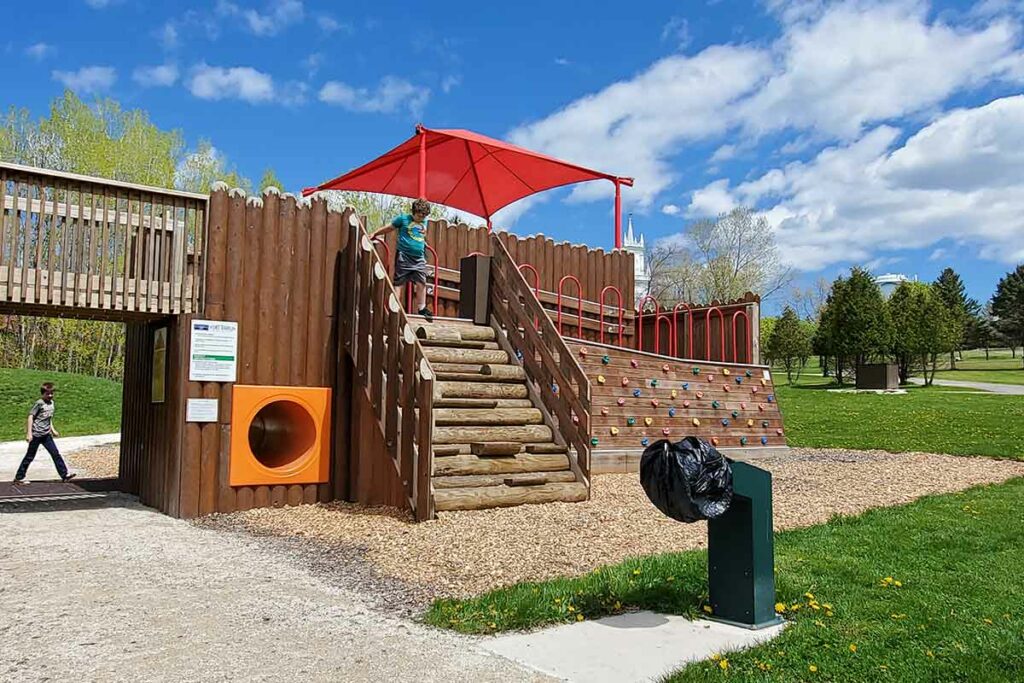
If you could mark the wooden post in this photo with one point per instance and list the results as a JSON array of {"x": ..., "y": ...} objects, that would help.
[{"x": 474, "y": 289}]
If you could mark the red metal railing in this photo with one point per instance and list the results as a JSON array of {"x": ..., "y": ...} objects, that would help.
[
  {"x": 689, "y": 330},
  {"x": 579, "y": 304},
  {"x": 640, "y": 321},
  {"x": 618, "y": 294},
  {"x": 736, "y": 341},
  {"x": 707, "y": 332}
]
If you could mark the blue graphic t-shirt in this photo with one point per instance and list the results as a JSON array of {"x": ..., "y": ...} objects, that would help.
[{"x": 412, "y": 236}]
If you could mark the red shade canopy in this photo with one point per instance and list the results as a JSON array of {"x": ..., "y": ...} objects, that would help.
[{"x": 464, "y": 170}]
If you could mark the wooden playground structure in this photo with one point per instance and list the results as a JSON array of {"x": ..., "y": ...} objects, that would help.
[{"x": 551, "y": 376}]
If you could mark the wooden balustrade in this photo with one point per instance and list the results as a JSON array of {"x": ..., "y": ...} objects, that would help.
[
  {"x": 562, "y": 385},
  {"x": 73, "y": 241},
  {"x": 390, "y": 367}
]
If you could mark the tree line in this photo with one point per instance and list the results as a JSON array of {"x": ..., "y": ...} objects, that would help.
[{"x": 919, "y": 324}]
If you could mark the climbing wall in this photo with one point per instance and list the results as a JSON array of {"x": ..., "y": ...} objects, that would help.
[{"x": 638, "y": 398}]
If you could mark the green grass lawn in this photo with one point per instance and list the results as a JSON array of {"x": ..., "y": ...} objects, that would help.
[
  {"x": 931, "y": 419},
  {"x": 956, "y": 615},
  {"x": 85, "y": 405},
  {"x": 1001, "y": 367}
]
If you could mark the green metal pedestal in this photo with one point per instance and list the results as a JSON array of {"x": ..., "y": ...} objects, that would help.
[{"x": 741, "y": 553}]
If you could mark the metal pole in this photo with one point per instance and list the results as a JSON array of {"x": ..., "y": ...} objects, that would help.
[
  {"x": 422, "y": 189},
  {"x": 618, "y": 214}
]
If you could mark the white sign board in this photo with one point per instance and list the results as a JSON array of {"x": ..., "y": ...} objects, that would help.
[
  {"x": 201, "y": 410},
  {"x": 213, "y": 355}
]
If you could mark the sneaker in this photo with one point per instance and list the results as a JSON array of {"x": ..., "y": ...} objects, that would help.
[
  {"x": 18, "y": 482},
  {"x": 69, "y": 477},
  {"x": 427, "y": 315}
]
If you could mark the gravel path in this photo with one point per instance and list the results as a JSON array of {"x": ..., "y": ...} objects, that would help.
[
  {"x": 465, "y": 553},
  {"x": 123, "y": 593}
]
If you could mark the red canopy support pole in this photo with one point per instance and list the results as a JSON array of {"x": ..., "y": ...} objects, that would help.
[
  {"x": 422, "y": 187},
  {"x": 618, "y": 214}
]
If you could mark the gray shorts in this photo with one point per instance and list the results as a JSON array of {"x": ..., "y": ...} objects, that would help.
[{"x": 410, "y": 269}]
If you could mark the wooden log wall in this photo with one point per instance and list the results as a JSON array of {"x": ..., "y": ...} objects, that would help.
[{"x": 709, "y": 396}]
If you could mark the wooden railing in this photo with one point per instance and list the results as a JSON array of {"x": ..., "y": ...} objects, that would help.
[
  {"x": 563, "y": 386},
  {"x": 390, "y": 366},
  {"x": 76, "y": 241}
]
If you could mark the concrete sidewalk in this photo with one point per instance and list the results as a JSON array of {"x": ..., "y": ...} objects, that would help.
[
  {"x": 11, "y": 453},
  {"x": 1009, "y": 389}
]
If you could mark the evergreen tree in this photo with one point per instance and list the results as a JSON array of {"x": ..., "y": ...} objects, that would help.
[
  {"x": 855, "y": 323},
  {"x": 924, "y": 327},
  {"x": 270, "y": 179},
  {"x": 950, "y": 290},
  {"x": 790, "y": 343},
  {"x": 1008, "y": 307},
  {"x": 765, "y": 327}
]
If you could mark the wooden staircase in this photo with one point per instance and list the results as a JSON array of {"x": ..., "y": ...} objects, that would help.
[{"x": 494, "y": 444}]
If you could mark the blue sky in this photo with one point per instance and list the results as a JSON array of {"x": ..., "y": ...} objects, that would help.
[{"x": 880, "y": 134}]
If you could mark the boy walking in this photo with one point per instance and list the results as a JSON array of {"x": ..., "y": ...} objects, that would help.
[
  {"x": 410, "y": 257},
  {"x": 40, "y": 432}
]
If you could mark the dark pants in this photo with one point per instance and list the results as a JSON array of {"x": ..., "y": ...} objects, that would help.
[{"x": 51, "y": 448}]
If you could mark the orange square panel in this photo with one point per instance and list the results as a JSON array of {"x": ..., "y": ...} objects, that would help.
[{"x": 280, "y": 435}]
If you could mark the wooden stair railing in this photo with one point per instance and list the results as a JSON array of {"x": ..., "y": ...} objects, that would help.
[
  {"x": 563, "y": 386},
  {"x": 390, "y": 366}
]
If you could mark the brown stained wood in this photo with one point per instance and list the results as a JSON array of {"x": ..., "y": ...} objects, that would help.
[
  {"x": 526, "y": 478},
  {"x": 249, "y": 292},
  {"x": 278, "y": 496},
  {"x": 126, "y": 243},
  {"x": 481, "y": 390},
  {"x": 393, "y": 383},
  {"x": 495, "y": 448},
  {"x": 26, "y": 243},
  {"x": 447, "y": 355},
  {"x": 509, "y": 433},
  {"x": 320, "y": 277},
  {"x": 294, "y": 495},
  {"x": 266, "y": 282},
  {"x": 467, "y": 403},
  {"x": 426, "y": 435},
  {"x": 458, "y": 344},
  {"x": 438, "y": 333},
  {"x": 380, "y": 287},
  {"x": 12, "y": 238},
  {"x": 209, "y": 457},
  {"x": 40, "y": 239},
  {"x": 300, "y": 299},
  {"x": 448, "y": 449},
  {"x": 477, "y": 416},
  {"x": 407, "y": 464},
  {"x": 285, "y": 291},
  {"x": 540, "y": 448},
  {"x": 104, "y": 246},
  {"x": 363, "y": 304},
  {"x": 217, "y": 254},
  {"x": 3, "y": 223},
  {"x": 478, "y": 498},
  {"x": 504, "y": 373},
  {"x": 261, "y": 497}
]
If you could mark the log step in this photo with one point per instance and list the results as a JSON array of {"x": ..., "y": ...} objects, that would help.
[
  {"x": 441, "y": 354},
  {"x": 460, "y": 465},
  {"x": 545, "y": 448},
  {"x": 471, "y": 480},
  {"x": 465, "y": 331},
  {"x": 531, "y": 479},
  {"x": 494, "y": 416},
  {"x": 482, "y": 497},
  {"x": 482, "y": 403},
  {"x": 457, "y": 344},
  {"x": 481, "y": 390},
  {"x": 495, "y": 448},
  {"x": 521, "y": 434},
  {"x": 504, "y": 373},
  {"x": 458, "y": 367},
  {"x": 501, "y": 376},
  {"x": 446, "y": 449}
]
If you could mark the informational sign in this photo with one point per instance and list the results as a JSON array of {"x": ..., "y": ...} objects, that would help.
[
  {"x": 213, "y": 353},
  {"x": 159, "y": 365},
  {"x": 201, "y": 410}
]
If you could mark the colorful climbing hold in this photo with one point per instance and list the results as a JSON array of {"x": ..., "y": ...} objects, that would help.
[
  {"x": 636, "y": 393},
  {"x": 711, "y": 378},
  {"x": 604, "y": 411},
  {"x": 750, "y": 422},
  {"x": 554, "y": 388},
  {"x": 665, "y": 368},
  {"x": 725, "y": 422},
  {"x": 760, "y": 406},
  {"x": 583, "y": 351},
  {"x": 764, "y": 423},
  {"x": 771, "y": 398},
  {"x": 726, "y": 387},
  {"x": 714, "y": 441},
  {"x": 654, "y": 382},
  {"x": 605, "y": 360},
  {"x": 700, "y": 394},
  {"x": 696, "y": 370},
  {"x": 739, "y": 380},
  {"x": 735, "y": 413},
  {"x": 614, "y": 431},
  {"x": 748, "y": 373},
  {"x": 666, "y": 431},
  {"x": 764, "y": 440},
  {"x": 686, "y": 404},
  {"x": 696, "y": 422},
  {"x": 743, "y": 441},
  {"x": 593, "y": 441},
  {"x": 715, "y": 404},
  {"x": 620, "y": 401},
  {"x": 648, "y": 421},
  {"x": 630, "y": 421},
  {"x": 779, "y": 431},
  {"x": 671, "y": 412},
  {"x": 686, "y": 386},
  {"x": 764, "y": 382},
  {"x": 600, "y": 379},
  {"x": 575, "y": 419},
  {"x": 633, "y": 363},
  {"x": 743, "y": 406},
  {"x": 674, "y": 393},
  {"x": 654, "y": 402},
  {"x": 644, "y": 441},
  {"x": 753, "y": 390},
  {"x": 725, "y": 371},
  {"x": 625, "y": 381}
]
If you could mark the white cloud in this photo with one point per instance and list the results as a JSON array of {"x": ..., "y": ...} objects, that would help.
[
  {"x": 712, "y": 200},
  {"x": 938, "y": 254},
  {"x": 634, "y": 127},
  {"x": 277, "y": 16},
  {"x": 159, "y": 76},
  {"x": 671, "y": 210},
  {"x": 723, "y": 153},
  {"x": 562, "y": 61},
  {"x": 99, "y": 4},
  {"x": 312, "y": 63},
  {"x": 168, "y": 36},
  {"x": 875, "y": 195},
  {"x": 239, "y": 82},
  {"x": 450, "y": 83},
  {"x": 390, "y": 95},
  {"x": 39, "y": 50},
  {"x": 88, "y": 79},
  {"x": 677, "y": 30},
  {"x": 329, "y": 24}
]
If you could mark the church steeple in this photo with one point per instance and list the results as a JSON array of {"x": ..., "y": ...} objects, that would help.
[{"x": 635, "y": 246}]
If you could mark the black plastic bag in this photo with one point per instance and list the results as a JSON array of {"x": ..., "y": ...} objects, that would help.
[{"x": 687, "y": 480}]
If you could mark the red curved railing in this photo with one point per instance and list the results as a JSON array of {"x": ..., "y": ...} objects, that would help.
[
  {"x": 618, "y": 293},
  {"x": 640, "y": 321},
  {"x": 437, "y": 279},
  {"x": 707, "y": 332},
  {"x": 657, "y": 333},
  {"x": 689, "y": 330},
  {"x": 735, "y": 340},
  {"x": 579, "y": 304}
]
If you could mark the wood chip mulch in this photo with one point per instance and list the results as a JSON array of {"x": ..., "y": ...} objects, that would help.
[
  {"x": 95, "y": 463},
  {"x": 467, "y": 553}
]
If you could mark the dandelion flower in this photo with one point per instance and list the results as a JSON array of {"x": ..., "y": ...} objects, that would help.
[
  {"x": 930, "y": 653},
  {"x": 724, "y": 664},
  {"x": 809, "y": 596},
  {"x": 853, "y": 647},
  {"x": 716, "y": 657},
  {"x": 813, "y": 669},
  {"x": 780, "y": 607},
  {"x": 618, "y": 605},
  {"x": 707, "y": 609},
  {"x": 579, "y": 617}
]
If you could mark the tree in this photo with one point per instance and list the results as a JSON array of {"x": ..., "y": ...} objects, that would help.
[
  {"x": 808, "y": 302},
  {"x": 200, "y": 169},
  {"x": 924, "y": 327},
  {"x": 270, "y": 179},
  {"x": 720, "y": 260},
  {"x": 1008, "y": 307},
  {"x": 855, "y": 324},
  {"x": 789, "y": 343},
  {"x": 765, "y": 327},
  {"x": 950, "y": 290}
]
